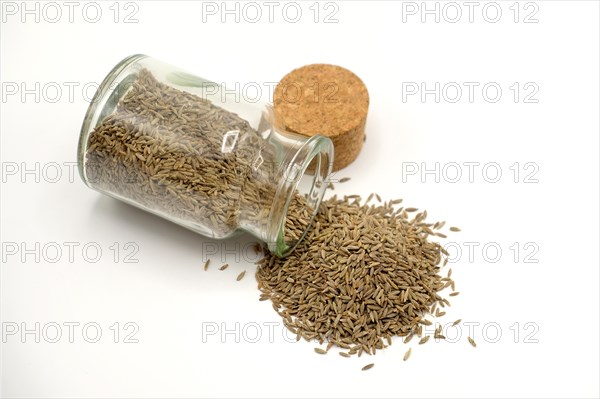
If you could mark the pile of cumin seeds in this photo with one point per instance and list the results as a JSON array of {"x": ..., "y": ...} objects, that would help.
[
  {"x": 163, "y": 148},
  {"x": 363, "y": 275}
]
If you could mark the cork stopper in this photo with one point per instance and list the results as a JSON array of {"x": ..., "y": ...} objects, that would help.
[{"x": 328, "y": 100}]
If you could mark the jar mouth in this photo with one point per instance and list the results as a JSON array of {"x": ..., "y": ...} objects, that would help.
[{"x": 304, "y": 186}]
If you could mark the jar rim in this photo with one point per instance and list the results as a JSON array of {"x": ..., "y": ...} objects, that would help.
[{"x": 317, "y": 149}]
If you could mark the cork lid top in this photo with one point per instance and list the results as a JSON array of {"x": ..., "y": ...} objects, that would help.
[{"x": 321, "y": 99}]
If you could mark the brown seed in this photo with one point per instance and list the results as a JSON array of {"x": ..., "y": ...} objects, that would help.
[
  {"x": 456, "y": 322},
  {"x": 472, "y": 342},
  {"x": 454, "y": 229},
  {"x": 344, "y": 179},
  {"x": 206, "y": 264},
  {"x": 241, "y": 275},
  {"x": 320, "y": 351},
  {"x": 454, "y": 293},
  {"x": 344, "y": 354},
  {"x": 356, "y": 250},
  {"x": 407, "y": 354},
  {"x": 411, "y": 209},
  {"x": 368, "y": 366},
  {"x": 424, "y": 339},
  {"x": 225, "y": 266}
]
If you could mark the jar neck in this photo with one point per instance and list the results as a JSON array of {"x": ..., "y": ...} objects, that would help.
[{"x": 285, "y": 186}]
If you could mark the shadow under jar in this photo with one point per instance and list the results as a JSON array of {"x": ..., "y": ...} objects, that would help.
[{"x": 184, "y": 148}]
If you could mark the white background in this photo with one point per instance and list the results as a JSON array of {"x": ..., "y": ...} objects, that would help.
[{"x": 551, "y": 211}]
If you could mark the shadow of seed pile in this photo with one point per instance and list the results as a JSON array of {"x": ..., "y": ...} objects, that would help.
[{"x": 363, "y": 274}]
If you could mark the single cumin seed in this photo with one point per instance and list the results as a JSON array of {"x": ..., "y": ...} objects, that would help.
[{"x": 472, "y": 342}]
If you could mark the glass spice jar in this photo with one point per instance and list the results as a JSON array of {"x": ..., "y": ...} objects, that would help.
[{"x": 178, "y": 146}]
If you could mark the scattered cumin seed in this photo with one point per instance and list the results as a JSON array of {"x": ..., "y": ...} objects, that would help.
[
  {"x": 241, "y": 275},
  {"x": 225, "y": 266},
  {"x": 472, "y": 342},
  {"x": 454, "y": 229},
  {"x": 206, "y": 264},
  {"x": 407, "y": 354},
  {"x": 456, "y": 322},
  {"x": 424, "y": 339},
  {"x": 344, "y": 354},
  {"x": 320, "y": 351},
  {"x": 344, "y": 179},
  {"x": 368, "y": 366},
  {"x": 454, "y": 293}
]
